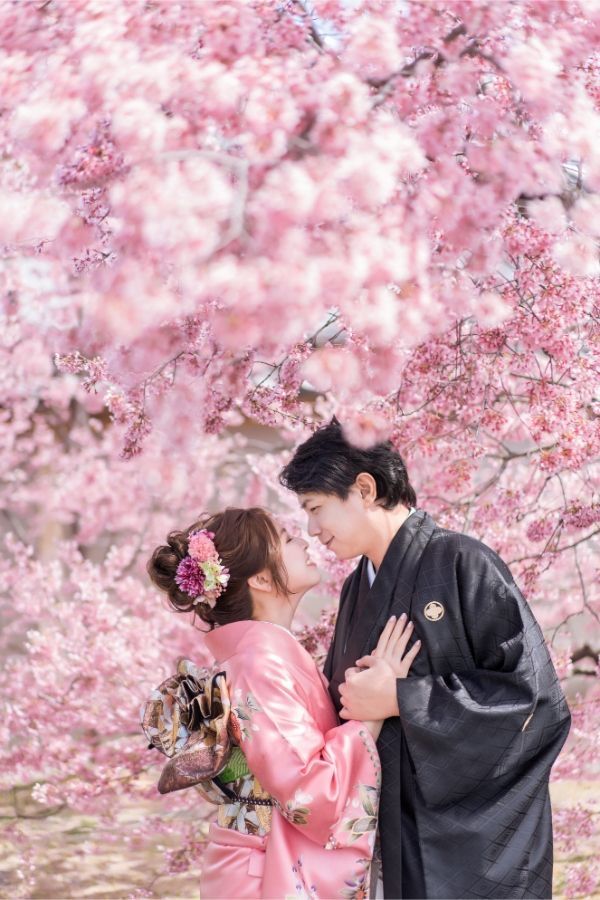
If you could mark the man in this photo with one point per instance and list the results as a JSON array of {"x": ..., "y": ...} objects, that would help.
[{"x": 471, "y": 734}]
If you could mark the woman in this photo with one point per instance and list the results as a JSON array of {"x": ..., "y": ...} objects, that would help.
[{"x": 298, "y": 799}]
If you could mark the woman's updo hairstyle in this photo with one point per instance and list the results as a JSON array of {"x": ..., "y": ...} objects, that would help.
[{"x": 247, "y": 541}]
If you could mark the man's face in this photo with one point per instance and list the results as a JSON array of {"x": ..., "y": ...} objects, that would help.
[{"x": 338, "y": 524}]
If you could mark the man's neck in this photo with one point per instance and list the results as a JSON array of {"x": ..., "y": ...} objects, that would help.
[{"x": 385, "y": 529}]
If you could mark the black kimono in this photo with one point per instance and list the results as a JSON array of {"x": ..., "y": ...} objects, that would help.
[{"x": 465, "y": 807}]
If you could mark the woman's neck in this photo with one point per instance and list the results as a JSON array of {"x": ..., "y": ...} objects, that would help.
[
  {"x": 284, "y": 621},
  {"x": 278, "y": 610}
]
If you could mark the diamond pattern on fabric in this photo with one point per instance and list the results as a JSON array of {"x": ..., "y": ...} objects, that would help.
[{"x": 465, "y": 809}]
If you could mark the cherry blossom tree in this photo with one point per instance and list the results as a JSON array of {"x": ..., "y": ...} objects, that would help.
[{"x": 224, "y": 222}]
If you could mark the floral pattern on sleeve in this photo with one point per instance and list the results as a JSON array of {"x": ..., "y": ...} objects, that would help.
[
  {"x": 295, "y": 810},
  {"x": 243, "y": 712},
  {"x": 365, "y": 800}
]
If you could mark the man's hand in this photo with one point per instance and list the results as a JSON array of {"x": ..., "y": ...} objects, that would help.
[{"x": 369, "y": 694}]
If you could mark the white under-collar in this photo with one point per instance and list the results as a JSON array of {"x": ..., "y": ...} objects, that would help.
[{"x": 371, "y": 573}]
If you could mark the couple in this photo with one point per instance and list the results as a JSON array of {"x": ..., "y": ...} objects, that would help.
[{"x": 417, "y": 766}]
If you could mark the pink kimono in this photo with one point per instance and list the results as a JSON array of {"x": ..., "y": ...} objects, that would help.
[{"x": 323, "y": 779}]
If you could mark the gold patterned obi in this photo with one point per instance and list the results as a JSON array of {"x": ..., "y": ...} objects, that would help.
[
  {"x": 243, "y": 805},
  {"x": 250, "y": 809},
  {"x": 189, "y": 719}
]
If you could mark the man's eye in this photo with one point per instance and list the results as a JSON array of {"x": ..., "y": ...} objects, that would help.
[{"x": 314, "y": 509}]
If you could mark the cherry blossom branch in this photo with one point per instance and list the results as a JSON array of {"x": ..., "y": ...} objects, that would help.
[
  {"x": 585, "y": 652},
  {"x": 557, "y": 550},
  {"x": 473, "y": 48},
  {"x": 315, "y": 37},
  {"x": 311, "y": 341},
  {"x": 240, "y": 168}
]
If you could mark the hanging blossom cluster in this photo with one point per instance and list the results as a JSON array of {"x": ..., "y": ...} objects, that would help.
[{"x": 225, "y": 222}]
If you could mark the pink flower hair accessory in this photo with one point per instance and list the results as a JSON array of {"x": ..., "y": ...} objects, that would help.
[{"x": 201, "y": 573}]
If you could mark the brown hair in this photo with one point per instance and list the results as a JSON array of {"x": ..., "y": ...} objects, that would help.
[{"x": 247, "y": 541}]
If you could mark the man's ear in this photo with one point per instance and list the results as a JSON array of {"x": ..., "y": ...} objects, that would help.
[
  {"x": 261, "y": 581},
  {"x": 367, "y": 488}
]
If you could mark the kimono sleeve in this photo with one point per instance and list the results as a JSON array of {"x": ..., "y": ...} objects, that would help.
[
  {"x": 325, "y": 784},
  {"x": 494, "y": 719}
]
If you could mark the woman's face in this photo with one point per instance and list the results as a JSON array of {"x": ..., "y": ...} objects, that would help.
[{"x": 301, "y": 572}]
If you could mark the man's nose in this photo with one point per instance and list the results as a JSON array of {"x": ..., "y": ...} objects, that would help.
[{"x": 313, "y": 528}]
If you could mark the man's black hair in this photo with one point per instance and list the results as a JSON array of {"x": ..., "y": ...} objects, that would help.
[{"x": 329, "y": 464}]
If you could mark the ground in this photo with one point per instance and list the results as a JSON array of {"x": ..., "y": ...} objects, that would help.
[{"x": 66, "y": 868}]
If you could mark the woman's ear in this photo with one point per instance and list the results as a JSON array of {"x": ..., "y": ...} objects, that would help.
[
  {"x": 367, "y": 488},
  {"x": 262, "y": 581}
]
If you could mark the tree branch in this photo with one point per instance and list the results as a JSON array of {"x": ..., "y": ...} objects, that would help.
[{"x": 584, "y": 652}]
